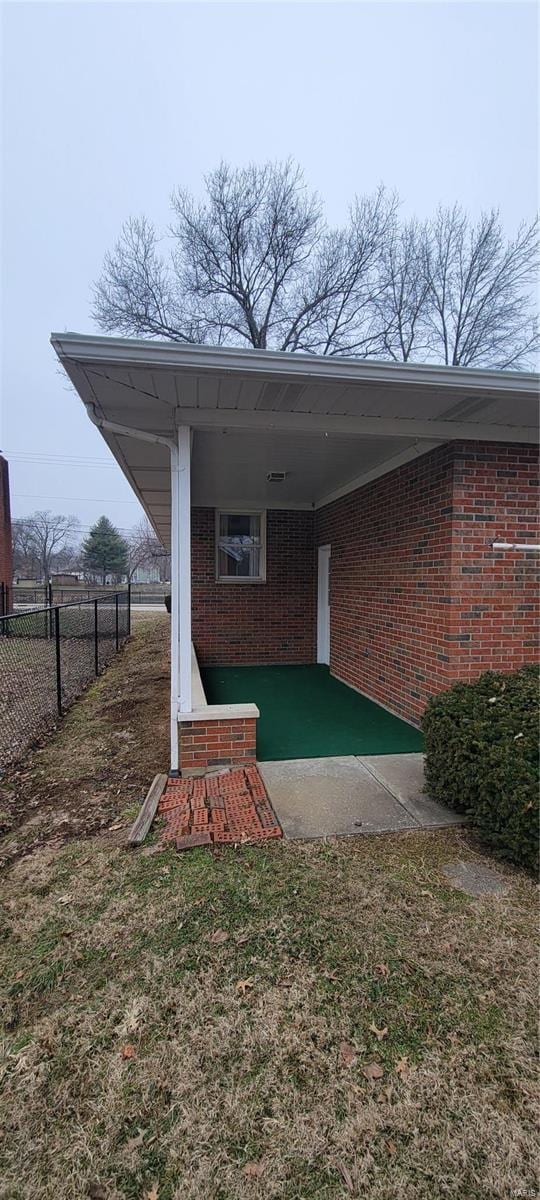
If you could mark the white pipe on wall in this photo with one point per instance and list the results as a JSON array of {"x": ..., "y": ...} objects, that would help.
[{"x": 514, "y": 546}]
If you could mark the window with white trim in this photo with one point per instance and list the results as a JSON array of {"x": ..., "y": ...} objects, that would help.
[{"x": 240, "y": 547}]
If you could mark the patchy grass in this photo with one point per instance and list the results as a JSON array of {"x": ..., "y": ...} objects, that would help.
[{"x": 209, "y": 1023}]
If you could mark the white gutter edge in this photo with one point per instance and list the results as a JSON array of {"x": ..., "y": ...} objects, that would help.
[{"x": 86, "y": 348}]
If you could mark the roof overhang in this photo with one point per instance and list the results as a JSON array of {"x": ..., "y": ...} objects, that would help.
[{"x": 331, "y": 424}]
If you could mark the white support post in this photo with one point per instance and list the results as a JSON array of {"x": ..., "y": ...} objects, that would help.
[
  {"x": 184, "y": 581},
  {"x": 175, "y": 574},
  {"x": 180, "y": 585}
]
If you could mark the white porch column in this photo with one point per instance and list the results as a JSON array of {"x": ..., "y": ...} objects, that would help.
[
  {"x": 184, "y": 582},
  {"x": 180, "y": 584}
]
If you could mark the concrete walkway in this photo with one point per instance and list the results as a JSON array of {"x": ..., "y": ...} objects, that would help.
[{"x": 328, "y": 797}]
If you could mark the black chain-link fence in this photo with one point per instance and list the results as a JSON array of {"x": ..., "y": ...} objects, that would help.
[
  {"x": 47, "y": 657},
  {"x": 26, "y": 595}
]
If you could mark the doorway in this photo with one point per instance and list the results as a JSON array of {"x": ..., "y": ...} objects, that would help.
[{"x": 323, "y": 605}]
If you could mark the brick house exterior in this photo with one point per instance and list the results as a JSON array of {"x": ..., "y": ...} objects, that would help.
[
  {"x": 328, "y": 510},
  {"x": 6, "y": 561},
  {"x": 418, "y": 597}
]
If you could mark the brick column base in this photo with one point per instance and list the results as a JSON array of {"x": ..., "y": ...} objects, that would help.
[{"x": 218, "y": 743}]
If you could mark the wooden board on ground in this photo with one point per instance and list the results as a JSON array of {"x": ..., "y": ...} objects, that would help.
[{"x": 144, "y": 820}]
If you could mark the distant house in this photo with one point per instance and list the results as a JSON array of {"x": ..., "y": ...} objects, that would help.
[
  {"x": 66, "y": 578},
  {"x": 379, "y": 518},
  {"x": 146, "y": 575},
  {"x": 6, "y": 558}
]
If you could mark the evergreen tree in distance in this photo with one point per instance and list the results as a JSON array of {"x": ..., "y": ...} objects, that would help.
[{"x": 105, "y": 550}]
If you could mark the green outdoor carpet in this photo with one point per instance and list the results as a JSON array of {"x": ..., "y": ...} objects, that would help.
[{"x": 305, "y": 713}]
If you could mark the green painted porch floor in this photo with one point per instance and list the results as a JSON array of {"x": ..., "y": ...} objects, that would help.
[{"x": 305, "y": 713}]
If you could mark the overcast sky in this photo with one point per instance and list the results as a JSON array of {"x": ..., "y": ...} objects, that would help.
[{"x": 107, "y": 107}]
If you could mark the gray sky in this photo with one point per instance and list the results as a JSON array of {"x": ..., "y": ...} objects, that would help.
[{"x": 107, "y": 107}]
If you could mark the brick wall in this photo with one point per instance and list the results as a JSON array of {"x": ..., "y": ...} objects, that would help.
[
  {"x": 390, "y": 583},
  {"x": 495, "y": 618},
  {"x": 418, "y": 597},
  {"x": 217, "y": 743},
  {"x": 272, "y": 622},
  {"x": 6, "y": 567}
]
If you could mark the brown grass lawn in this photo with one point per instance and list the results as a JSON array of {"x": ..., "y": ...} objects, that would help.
[{"x": 305, "y": 1020}]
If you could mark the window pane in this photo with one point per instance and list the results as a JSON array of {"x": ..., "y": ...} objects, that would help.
[{"x": 239, "y": 549}]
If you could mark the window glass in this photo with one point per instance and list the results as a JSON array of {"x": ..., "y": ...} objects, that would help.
[{"x": 239, "y": 546}]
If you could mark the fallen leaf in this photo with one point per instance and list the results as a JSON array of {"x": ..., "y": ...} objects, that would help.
[
  {"x": 391, "y": 1146},
  {"x": 218, "y": 937},
  {"x": 253, "y": 1170},
  {"x": 153, "y": 1193},
  {"x": 96, "y": 1192},
  {"x": 244, "y": 985},
  {"x": 379, "y": 1033},
  {"x": 347, "y": 1054},
  {"x": 128, "y": 1051},
  {"x": 385, "y": 1094},
  {"x": 134, "y": 1142},
  {"x": 382, "y": 969},
  {"x": 346, "y": 1177},
  {"x": 119, "y": 825},
  {"x": 402, "y": 1067},
  {"x": 373, "y": 1071}
]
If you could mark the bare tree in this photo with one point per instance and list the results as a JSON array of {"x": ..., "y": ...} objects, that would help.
[
  {"x": 254, "y": 265},
  {"x": 25, "y": 560},
  {"x": 37, "y": 539},
  {"x": 403, "y": 299},
  {"x": 144, "y": 549},
  {"x": 479, "y": 310}
]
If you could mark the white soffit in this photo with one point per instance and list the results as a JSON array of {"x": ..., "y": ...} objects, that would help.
[{"x": 345, "y": 421}]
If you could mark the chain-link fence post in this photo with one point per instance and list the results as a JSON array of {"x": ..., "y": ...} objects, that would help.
[
  {"x": 96, "y": 642},
  {"x": 116, "y": 619},
  {"x": 58, "y": 660},
  {"x": 129, "y": 610}
]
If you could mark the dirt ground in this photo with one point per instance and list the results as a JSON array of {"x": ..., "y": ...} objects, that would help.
[
  {"x": 102, "y": 756},
  {"x": 299, "y": 1021}
]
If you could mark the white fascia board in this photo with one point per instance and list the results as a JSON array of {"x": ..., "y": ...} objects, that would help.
[{"x": 317, "y": 368}]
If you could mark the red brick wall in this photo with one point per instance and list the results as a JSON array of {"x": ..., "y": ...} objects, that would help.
[
  {"x": 272, "y": 622},
  {"x": 495, "y": 617},
  {"x": 217, "y": 743},
  {"x": 418, "y": 597},
  {"x": 6, "y": 567},
  {"x": 390, "y": 583}
]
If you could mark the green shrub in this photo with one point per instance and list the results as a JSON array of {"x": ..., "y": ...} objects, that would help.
[{"x": 481, "y": 742}]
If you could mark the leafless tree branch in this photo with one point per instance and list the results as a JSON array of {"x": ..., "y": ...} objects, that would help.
[{"x": 255, "y": 264}]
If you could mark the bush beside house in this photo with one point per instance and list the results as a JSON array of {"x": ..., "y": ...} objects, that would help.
[{"x": 481, "y": 743}]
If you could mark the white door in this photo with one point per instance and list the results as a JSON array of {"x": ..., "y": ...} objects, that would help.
[{"x": 323, "y": 605}]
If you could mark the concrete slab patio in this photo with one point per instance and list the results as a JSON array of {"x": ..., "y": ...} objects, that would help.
[{"x": 329, "y": 797}]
